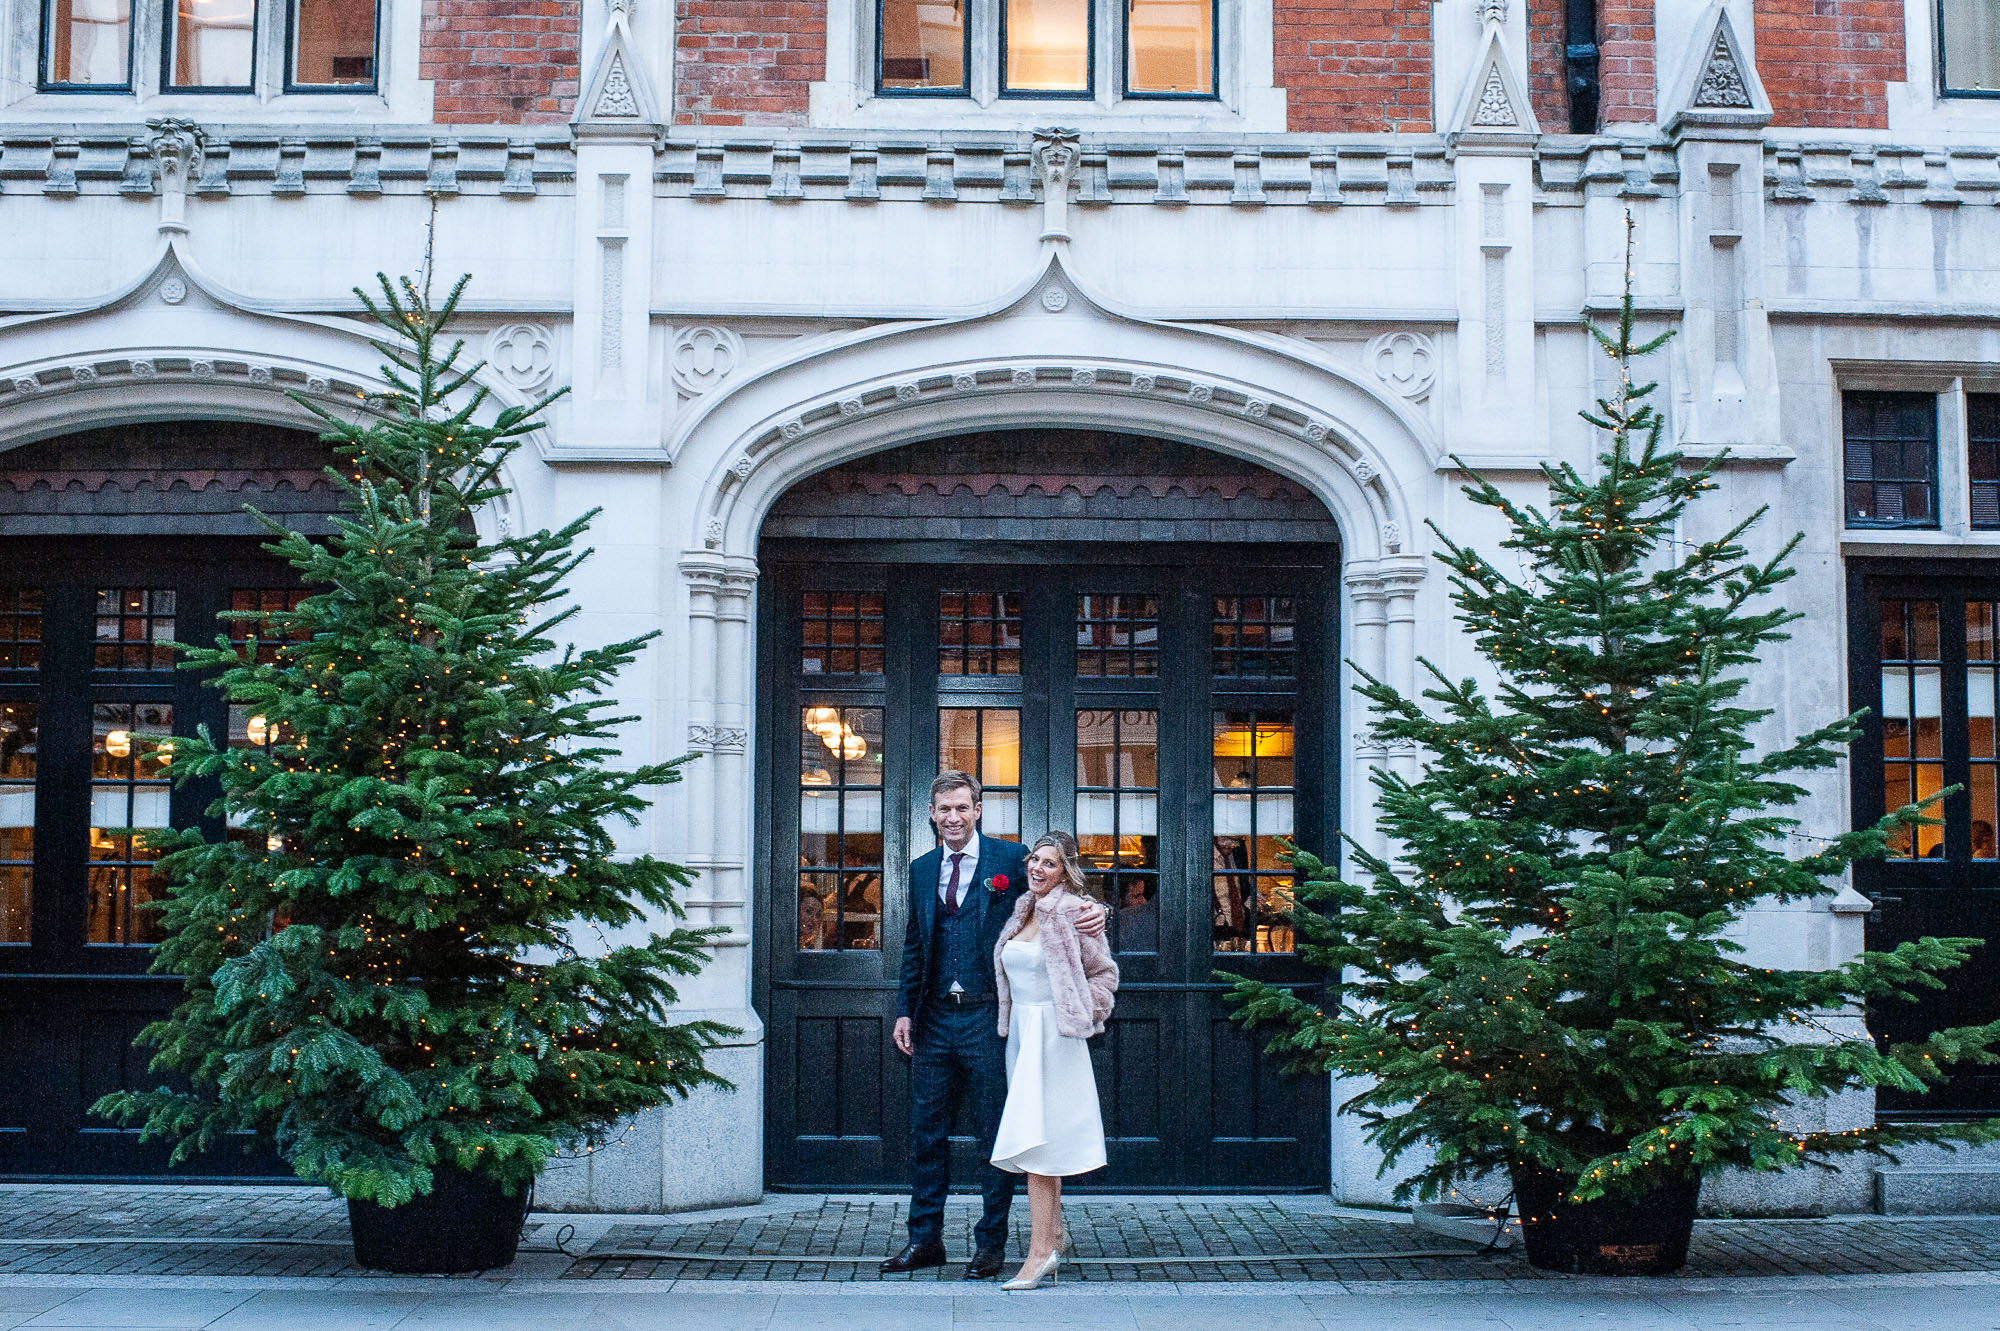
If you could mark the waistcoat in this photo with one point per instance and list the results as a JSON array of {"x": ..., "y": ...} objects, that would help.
[{"x": 955, "y": 950}]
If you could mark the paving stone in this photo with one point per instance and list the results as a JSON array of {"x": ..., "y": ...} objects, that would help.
[{"x": 301, "y": 1232}]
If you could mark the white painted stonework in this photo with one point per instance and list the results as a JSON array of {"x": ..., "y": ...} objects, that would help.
[{"x": 737, "y": 310}]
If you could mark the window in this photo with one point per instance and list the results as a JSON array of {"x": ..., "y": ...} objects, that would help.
[
  {"x": 1045, "y": 48},
  {"x": 1118, "y": 636},
  {"x": 1253, "y": 819},
  {"x": 1912, "y": 718},
  {"x": 130, "y": 788},
  {"x": 840, "y": 829},
  {"x": 1890, "y": 445},
  {"x": 1982, "y": 428},
  {"x": 1969, "y": 48},
  {"x": 210, "y": 46},
  {"x": 18, "y": 733},
  {"x": 986, "y": 741},
  {"x": 979, "y": 633},
  {"x": 1118, "y": 819}
]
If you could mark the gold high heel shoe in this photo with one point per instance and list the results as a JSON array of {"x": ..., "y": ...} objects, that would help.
[{"x": 1048, "y": 1272}]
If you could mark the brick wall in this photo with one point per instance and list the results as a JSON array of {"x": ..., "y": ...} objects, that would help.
[
  {"x": 1361, "y": 65},
  {"x": 1828, "y": 63},
  {"x": 501, "y": 61},
  {"x": 1547, "y": 65},
  {"x": 1625, "y": 69},
  {"x": 747, "y": 62}
]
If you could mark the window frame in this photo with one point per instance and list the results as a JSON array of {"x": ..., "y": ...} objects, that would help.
[
  {"x": 1935, "y": 522},
  {"x": 964, "y": 88},
  {"x": 45, "y": 52},
  {"x": 169, "y": 10},
  {"x": 1945, "y": 90},
  {"x": 291, "y": 87},
  {"x": 1006, "y": 94},
  {"x": 1214, "y": 92}
]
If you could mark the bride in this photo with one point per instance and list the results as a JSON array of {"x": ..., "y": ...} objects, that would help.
[{"x": 1055, "y": 986}]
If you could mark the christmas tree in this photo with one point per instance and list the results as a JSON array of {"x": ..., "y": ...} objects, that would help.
[
  {"x": 1546, "y": 979},
  {"x": 395, "y": 959}
]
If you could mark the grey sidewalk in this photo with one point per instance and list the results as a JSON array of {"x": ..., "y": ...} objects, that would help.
[
  {"x": 179, "y": 1258},
  {"x": 93, "y": 1230}
]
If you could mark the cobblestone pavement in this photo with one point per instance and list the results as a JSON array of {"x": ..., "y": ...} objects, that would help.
[{"x": 49, "y": 1230}]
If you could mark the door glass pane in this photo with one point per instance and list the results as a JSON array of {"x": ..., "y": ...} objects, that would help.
[
  {"x": 979, "y": 633},
  {"x": 1981, "y": 670},
  {"x": 134, "y": 626},
  {"x": 1117, "y": 820},
  {"x": 1048, "y": 45},
  {"x": 1170, "y": 46},
  {"x": 18, "y": 736},
  {"x": 211, "y": 43},
  {"x": 1117, "y": 636},
  {"x": 986, "y": 742},
  {"x": 89, "y": 43},
  {"x": 1913, "y": 719},
  {"x": 130, "y": 786},
  {"x": 1253, "y": 637},
  {"x": 1253, "y": 801},
  {"x": 923, "y": 45},
  {"x": 840, "y": 829},
  {"x": 254, "y": 601},
  {"x": 333, "y": 43},
  {"x": 841, "y": 633},
  {"x": 1971, "y": 45},
  {"x": 20, "y": 628}
]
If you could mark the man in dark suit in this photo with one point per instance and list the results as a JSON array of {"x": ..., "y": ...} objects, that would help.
[{"x": 961, "y": 896}]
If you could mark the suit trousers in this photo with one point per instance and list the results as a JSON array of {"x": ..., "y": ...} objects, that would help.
[{"x": 959, "y": 1056}]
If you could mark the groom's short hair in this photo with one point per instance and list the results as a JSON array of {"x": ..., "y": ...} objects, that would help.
[{"x": 952, "y": 779}]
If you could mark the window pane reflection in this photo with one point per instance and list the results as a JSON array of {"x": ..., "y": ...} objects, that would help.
[
  {"x": 1117, "y": 820},
  {"x": 1913, "y": 720},
  {"x": 986, "y": 741},
  {"x": 1048, "y": 45},
  {"x": 20, "y": 628},
  {"x": 18, "y": 735},
  {"x": 134, "y": 626},
  {"x": 840, "y": 829},
  {"x": 1971, "y": 45},
  {"x": 979, "y": 633},
  {"x": 211, "y": 43},
  {"x": 1982, "y": 677},
  {"x": 841, "y": 633},
  {"x": 1170, "y": 47},
  {"x": 89, "y": 43},
  {"x": 923, "y": 45},
  {"x": 333, "y": 43},
  {"x": 130, "y": 787},
  {"x": 1253, "y": 812}
]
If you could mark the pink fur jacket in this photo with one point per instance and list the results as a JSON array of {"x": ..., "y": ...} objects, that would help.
[{"x": 1082, "y": 974}]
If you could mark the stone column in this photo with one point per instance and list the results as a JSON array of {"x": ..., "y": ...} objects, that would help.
[
  {"x": 1402, "y": 576},
  {"x": 1368, "y": 604}
]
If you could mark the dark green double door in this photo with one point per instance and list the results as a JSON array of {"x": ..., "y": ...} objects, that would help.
[
  {"x": 1175, "y": 714},
  {"x": 89, "y": 702}
]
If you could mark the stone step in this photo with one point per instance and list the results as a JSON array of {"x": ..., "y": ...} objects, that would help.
[{"x": 1937, "y": 1189}]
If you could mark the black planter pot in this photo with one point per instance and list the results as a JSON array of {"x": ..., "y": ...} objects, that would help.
[
  {"x": 466, "y": 1224},
  {"x": 1634, "y": 1234}
]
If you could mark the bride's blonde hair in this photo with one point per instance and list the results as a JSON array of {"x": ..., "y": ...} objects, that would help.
[{"x": 1064, "y": 845}]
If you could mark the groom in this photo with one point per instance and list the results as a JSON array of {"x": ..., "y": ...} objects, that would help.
[{"x": 961, "y": 895}]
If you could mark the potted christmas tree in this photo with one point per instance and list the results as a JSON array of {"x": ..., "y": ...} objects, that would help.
[
  {"x": 396, "y": 970},
  {"x": 1544, "y": 985}
]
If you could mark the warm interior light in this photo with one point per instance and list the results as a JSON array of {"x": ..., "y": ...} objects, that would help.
[
  {"x": 257, "y": 730},
  {"x": 118, "y": 743},
  {"x": 852, "y": 746}
]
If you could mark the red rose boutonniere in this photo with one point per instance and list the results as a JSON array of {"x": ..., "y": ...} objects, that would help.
[{"x": 997, "y": 883}]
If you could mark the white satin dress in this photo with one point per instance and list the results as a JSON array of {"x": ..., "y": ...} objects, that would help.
[{"x": 1051, "y": 1125}]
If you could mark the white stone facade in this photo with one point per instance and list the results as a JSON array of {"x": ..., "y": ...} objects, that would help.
[{"x": 736, "y": 311}]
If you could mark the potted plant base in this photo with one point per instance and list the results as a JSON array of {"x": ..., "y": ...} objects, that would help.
[
  {"x": 1636, "y": 1234},
  {"x": 466, "y": 1223}
]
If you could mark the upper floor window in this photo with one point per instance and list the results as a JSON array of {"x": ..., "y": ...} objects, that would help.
[
  {"x": 1045, "y": 48},
  {"x": 1969, "y": 47},
  {"x": 1890, "y": 448},
  {"x": 211, "y": 46}
]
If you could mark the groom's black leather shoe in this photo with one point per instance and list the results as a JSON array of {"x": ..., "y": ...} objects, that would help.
[
  {"x": 985, "y": 1264},
  {"x": 916, "y": 1257}
]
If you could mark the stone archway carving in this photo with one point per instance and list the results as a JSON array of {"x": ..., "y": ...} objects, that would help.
[{"x": 1364, "y": 451}]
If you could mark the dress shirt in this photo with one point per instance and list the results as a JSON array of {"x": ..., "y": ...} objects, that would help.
[{"x": 967, "y": 868}]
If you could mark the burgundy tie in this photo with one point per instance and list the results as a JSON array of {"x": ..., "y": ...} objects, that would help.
[{"x": 951, "y": 888}]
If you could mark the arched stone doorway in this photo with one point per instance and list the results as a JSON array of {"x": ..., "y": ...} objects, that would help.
[
  {"x": 1127, "y": 636},
  {"x": 112, "y": 542}
]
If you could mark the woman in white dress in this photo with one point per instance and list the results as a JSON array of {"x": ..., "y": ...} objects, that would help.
[{"x": 1055, "y": 987}]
